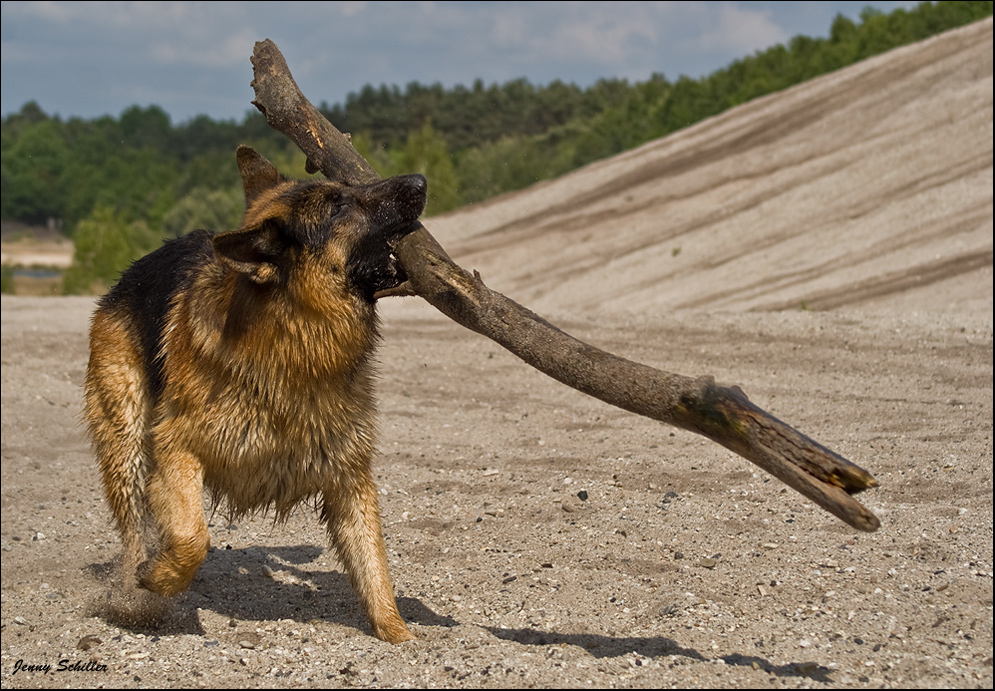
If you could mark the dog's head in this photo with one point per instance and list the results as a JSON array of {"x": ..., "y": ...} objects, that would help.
[{"x": 314, "y": 231}]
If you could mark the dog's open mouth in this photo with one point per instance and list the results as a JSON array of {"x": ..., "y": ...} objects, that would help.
[
  {"x": 373, "y": 264},
  {"x": 393, "y": 263},
  {"x": 396, "y": 272}
]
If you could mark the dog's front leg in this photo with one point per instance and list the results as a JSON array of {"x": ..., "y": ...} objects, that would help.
[
  {"x": 352, "y": 517},
  {"x": 174, "y": 496}
]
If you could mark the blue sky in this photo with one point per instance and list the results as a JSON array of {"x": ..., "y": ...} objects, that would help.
[{"x": 94, "y": 58}]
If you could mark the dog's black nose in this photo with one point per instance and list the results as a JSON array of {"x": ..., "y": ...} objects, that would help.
[
  {"x": 416, "y": 187},
  {"x": 418, "y": 182},
  {"x": 403, "y": 195}
]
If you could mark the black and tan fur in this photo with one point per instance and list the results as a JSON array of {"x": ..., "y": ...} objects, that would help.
[{"x": 243, "y": 362}]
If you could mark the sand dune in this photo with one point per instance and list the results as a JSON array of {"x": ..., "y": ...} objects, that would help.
[{"x": 870, "y": 187}]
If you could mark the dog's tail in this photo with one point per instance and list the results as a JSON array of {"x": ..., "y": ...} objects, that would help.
[{"x": 118, "y": 410}]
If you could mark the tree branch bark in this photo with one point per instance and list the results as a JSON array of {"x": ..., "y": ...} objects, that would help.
[{"x": 722, "y": 414}]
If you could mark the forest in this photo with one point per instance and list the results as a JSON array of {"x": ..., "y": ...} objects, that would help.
[{"x": 120, "y": 186}]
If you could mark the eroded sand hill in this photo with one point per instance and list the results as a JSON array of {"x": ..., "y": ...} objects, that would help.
[{"x": 870, "y": 187}]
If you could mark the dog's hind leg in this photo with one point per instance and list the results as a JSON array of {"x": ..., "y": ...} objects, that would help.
[
  {"x": 118, "y": 411},
  {"x": 352, "y": 517},
  {"x": 175, "y": 501}
]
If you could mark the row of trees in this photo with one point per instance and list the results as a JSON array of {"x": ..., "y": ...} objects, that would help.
[{"x": 119, "y": 185}]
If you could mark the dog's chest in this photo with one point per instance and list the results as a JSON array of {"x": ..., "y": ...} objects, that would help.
[{"x": 279, "y": 443}]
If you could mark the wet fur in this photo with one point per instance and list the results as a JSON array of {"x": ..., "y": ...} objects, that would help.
[{"x": 243, "y": 362}]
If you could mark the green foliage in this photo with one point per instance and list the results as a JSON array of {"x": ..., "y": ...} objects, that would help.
[
  {"x": 7, "y": 279},
  {"x": 106, "y": 243},
  {"x": 120, "y": 184},
  {"x": 464, "y": 117},
  {"x": 145, "y": 127},
  {"x": 35, "y": 167},
  {"x": 425, "y": 152},
  {"x": 205, "y": 208}
]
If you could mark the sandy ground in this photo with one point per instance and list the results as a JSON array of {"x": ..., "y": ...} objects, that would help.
[
  {"x": 539, "y": 538},
  {"x": 683, "y": 566},
  {"x": 23, "y": 245}
]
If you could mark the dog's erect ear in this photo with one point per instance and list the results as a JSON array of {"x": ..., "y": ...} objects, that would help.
[
  {"x": 253, "y": 252},
  {"x": 258, "y": 174}
]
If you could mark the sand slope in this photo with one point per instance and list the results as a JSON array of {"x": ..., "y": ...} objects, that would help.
[{"x": 868, "y": 187}]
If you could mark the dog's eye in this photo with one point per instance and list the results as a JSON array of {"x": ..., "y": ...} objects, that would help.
[
  {"x": 334, "y": 201},
  {"x": 332, "y": 207},
  {"x": 278, "y": 225}
]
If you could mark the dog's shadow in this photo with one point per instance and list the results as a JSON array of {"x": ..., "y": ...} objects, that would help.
[
  {"x": 248, "y": 584},
  {"x": 656, "y": 648},
  {"x": 267, "y": 584}
]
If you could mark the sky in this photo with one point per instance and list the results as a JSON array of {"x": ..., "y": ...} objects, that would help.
[{"x": 87, "y": 59}]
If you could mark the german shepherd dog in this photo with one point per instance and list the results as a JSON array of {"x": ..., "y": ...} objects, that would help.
[{"x": 243, "y": 362}]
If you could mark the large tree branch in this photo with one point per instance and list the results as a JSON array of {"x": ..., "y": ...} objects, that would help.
[{"x": 722, "y": 414}]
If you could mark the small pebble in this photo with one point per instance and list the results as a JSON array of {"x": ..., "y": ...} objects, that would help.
[{"x": 88, "y": 643}]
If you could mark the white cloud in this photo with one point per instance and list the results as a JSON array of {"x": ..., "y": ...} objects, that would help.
[
  {"x": 58, "y": 12},
  {"x": 230, "y": 51},
  {"x": 608, "y": 38},
  {"x": 740, "y": 31}
]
